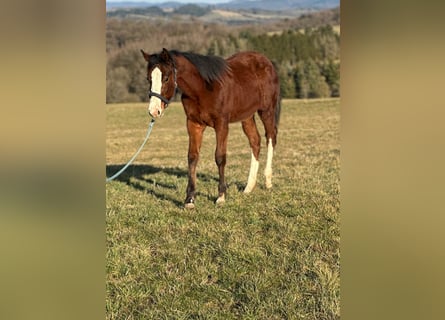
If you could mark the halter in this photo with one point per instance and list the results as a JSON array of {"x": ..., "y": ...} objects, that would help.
[{"x": 161, "y": 97}]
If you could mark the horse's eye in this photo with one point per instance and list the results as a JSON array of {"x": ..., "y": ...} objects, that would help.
[{"x": 166, "y": 79}]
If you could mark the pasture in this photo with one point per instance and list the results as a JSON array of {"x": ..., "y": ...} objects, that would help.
[{"x": 271, "y": 254}]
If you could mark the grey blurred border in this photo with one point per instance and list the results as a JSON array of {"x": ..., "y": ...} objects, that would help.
[
  {"x": 52, "y": 197},
  {"x": 392, "y": 156},
  {"x": 52, "y": 207}
]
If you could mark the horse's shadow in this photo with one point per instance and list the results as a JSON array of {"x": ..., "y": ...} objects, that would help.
[{"x": 138, "y": 176}]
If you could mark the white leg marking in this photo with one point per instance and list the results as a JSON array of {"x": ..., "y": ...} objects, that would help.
[
  {"x": 268, "y": 169},
  {"x": 189, "y": 206},
  {"x": 251, "y": 181},
  {"x": 221, "y": 200},
  {"x": 154, "y": 106}
]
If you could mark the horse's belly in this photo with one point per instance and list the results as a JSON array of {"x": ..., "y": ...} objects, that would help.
[{"x": 242, "y": 112}]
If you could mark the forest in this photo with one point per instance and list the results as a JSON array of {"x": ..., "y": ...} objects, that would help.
[{"x": 305, "y": 50}]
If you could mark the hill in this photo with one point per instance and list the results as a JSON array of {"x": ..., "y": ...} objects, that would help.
[
  {"x": 272, "y": 5},
  {"x": 279, "y": 5},
  {"x": 220, "y": 13}
]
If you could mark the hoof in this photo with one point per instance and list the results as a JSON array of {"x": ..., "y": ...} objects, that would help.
[
  {"x": 248, "y": 189},
  {"x": 221, "y": 199},
  {"x": 190, "y": 204}
]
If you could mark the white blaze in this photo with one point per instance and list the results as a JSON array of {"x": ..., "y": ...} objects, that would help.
[{"x": 154, "y": 106}]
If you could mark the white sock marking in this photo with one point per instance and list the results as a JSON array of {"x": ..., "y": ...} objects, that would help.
[
  {"x": 251, "y": 181},
  {"x": 221, "y": 199},
  {"x": 156, "y": 84},
  {"x": 268, "y": 169}
]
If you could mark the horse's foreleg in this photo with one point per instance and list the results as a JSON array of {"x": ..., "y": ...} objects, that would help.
[
  {"x": 195, "y": 132},
  {"x": 222, "y": 131}
]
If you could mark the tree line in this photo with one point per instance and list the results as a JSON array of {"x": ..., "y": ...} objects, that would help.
[
  {"x": 307, "y": 59},
  {"x": 188, "y": 9}
]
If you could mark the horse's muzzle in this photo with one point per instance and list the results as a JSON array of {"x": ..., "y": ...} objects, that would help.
[{"x": 157, "y": 111}]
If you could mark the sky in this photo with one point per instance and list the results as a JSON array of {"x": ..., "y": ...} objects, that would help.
[{"x": 159, "y": 1}]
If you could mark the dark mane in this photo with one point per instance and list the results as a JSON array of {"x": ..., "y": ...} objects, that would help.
[{"x": 211, "y": 68}]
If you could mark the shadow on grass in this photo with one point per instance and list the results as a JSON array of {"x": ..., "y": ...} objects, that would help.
[{"x": 138, "y": 176}]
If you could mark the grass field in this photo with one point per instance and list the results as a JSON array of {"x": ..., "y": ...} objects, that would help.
[{"x": 272, "y": 254}]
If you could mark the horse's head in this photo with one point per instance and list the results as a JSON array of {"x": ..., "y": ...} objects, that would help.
[{"x": 161, "y": 76}]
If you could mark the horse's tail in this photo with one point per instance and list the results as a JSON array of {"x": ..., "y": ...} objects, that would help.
[
  {"x": 278, "y": 112},
  {"x": 278, "y": 106}
]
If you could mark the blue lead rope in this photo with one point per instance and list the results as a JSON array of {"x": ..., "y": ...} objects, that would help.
[{"x": 150, "y": 126}]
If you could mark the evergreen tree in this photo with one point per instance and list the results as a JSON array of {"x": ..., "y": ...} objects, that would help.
[
  {"x": 310, "y": 83},
  {"x": 331, "y": 72},
  {"x": 287, "y": 82}
]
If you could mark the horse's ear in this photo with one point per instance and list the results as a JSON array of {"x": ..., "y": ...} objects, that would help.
[
  {"x": 145, "y": 55},
  {"x": 165, "y": 55}
]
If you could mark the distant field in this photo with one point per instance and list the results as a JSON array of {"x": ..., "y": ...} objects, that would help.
[
  {"x": 336, "y": 29},
  {"x": 272, "y": 254},
  {"x": 226, "y": 13},
  {"x": 243, "y": 17}
]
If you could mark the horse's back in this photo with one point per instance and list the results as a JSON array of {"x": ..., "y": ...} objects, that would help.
[{"x": 251, "y": 61}]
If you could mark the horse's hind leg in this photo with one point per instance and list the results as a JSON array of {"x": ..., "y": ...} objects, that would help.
[
  {"x": 268, "y": 169},
  {"x": 251, "y": 131},
  {"x": 268, "y": 119},
  {"x": 221, "y": 130}
]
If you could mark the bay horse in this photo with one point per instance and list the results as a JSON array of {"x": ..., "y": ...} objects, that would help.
[{"x": 216, "y": 92}]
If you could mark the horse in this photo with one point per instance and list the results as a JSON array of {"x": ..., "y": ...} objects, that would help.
[{"x": 215, "y": 92}]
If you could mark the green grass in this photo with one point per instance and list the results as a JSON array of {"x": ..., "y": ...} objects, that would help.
[{"x": 272, "y": 254}]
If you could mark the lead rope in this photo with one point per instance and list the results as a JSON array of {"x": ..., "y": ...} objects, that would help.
[{"x": 150, "y": 126}]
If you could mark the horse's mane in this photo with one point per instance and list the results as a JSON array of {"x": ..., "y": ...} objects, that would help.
[{"x": 211, "y": 68}]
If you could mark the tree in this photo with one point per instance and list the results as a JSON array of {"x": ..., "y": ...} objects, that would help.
[
  {"x": 310, "y": 83},
  {"x": 331, "y": 72},
  {"x": 118, "y": 80},
  {"x": 287, "y": 81},
  {"x": 192, "y": 9}
]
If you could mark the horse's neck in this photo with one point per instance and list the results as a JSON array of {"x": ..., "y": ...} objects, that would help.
[{"x": 188, "y": 78}]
